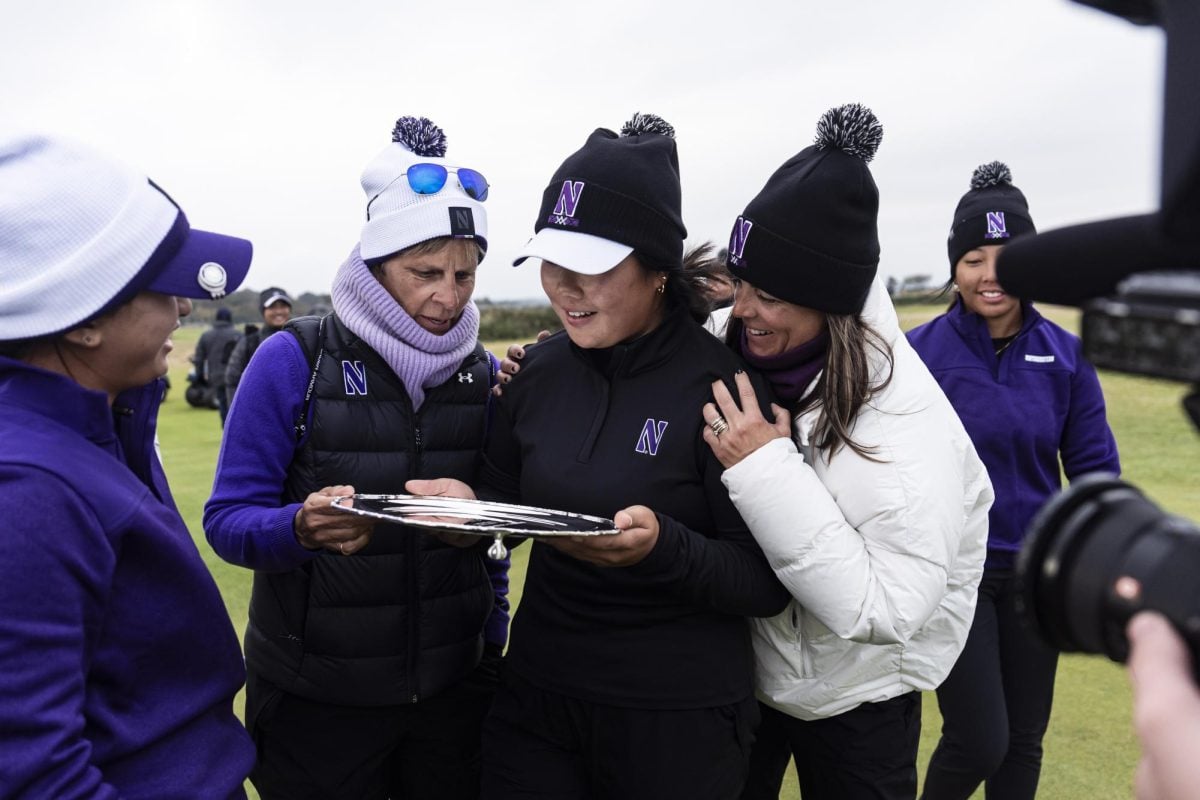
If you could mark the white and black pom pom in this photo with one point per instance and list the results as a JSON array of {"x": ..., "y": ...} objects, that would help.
[
  {"x": 641, "y": 123},
  {"x": 993, "y": 173},
  {"x": 421, "y": 136},
  {"x": 851, "y": 128}
]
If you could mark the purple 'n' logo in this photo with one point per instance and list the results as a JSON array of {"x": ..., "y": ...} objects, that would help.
[
  {"x": 651, "y": 436},
  {"x": 996, "y": 228},
  {"x": 354, "y": 377},
  {"x": 737, "y": 240},
  {"x": 568, "y": 202}
]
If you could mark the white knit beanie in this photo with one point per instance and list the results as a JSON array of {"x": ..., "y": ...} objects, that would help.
[
  {"x": 80, "y": 234},
  {"x": 398, "y": 217}
]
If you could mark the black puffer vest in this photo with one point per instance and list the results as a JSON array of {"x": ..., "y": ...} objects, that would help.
[{"x": 403, "y": 618}]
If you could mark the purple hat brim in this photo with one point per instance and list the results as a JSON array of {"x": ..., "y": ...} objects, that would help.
[{"x": 180, "y": 276}]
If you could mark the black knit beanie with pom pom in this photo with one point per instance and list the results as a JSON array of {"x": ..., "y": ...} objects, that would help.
[
  {"x": 623, "y": 188},
  {"x": 811, "y": 237},
  {"x": 993, "y": 211}
]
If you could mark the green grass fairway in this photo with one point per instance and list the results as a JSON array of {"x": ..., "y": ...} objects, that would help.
[{"x": 1090, "y": 749}]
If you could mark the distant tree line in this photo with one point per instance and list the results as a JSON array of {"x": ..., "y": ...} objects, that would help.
[
  {"x": 915, "y": 289},
  {"x": 515, "y": 323}
]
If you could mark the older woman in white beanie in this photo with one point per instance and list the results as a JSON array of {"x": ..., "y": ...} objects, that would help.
[
  {"x": 371, "y": 649},
  {"x": 118, "y": 663}
]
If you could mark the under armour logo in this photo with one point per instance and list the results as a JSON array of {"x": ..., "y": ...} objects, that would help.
[
  {"x": 466, "y": 377},
  {"x": 354, "y": 377},
  {"x": 651, "y": 436}
]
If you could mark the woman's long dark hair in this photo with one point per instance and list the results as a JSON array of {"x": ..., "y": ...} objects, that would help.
[
  {"x": 686, "y": 287},
  {"x": 845, "y": 385}
]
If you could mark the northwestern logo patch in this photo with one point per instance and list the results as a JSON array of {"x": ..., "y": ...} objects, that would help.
[
  {"x": 996, "y": 227},
  {"x": 651, "y": 436},
  {"x": 737, "y": 240},
  {"x": 462, "y": 223},
  {"x": 568, "y": 202},
  {"x": 354, "y": 377}
]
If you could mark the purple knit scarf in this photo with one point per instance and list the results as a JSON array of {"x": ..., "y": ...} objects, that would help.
[
  {"x": 790, "y": 372},
  {"x": 420, "y": 359}
]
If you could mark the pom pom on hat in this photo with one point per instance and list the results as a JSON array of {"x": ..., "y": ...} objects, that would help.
[
  {"x": 420, "y": 135},
  {"x": 397, "y": 216},
  {"x": 811, "y": 236},
  {"x": 992, "y": 173},
  {"x": 851, "y": 128},
  {"x": 641, "y": 123},
  {"x": 992, "y": 212},
  {"x": 617, "y": 194}
]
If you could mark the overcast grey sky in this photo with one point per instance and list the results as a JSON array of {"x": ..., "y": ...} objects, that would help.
[{"x": 259, "y": 115}]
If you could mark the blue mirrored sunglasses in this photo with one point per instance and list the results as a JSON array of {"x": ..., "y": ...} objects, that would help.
[{"x": 431, "y": 179}]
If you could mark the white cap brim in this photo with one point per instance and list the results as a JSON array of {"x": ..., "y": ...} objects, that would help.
[
  {"x": 577, "y": 252},
  {"x": 275, "y": 298}
]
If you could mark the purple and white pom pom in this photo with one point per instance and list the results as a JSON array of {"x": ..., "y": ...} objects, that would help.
[{"x": 421, "y": 136}]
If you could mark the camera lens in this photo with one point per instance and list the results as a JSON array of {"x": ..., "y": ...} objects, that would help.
[{"x": 1098, "y": 553}]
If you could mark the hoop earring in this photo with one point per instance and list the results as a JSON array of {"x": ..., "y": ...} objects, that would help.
[{"x": 662, "y": 287}]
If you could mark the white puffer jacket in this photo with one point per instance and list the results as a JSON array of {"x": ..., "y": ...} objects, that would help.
[{"x": 883, "y": 558}]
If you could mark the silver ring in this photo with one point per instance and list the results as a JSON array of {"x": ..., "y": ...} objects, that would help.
[
  {"x": 719, "y": 426},
  {"x": 342, "y": 548}
]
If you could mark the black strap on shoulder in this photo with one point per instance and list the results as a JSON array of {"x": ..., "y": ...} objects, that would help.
[
  {"x": 490, "y": 402},
  {"x": 311, "y": 341}
]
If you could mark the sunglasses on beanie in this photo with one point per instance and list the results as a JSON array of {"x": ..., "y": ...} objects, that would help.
[{"x": 431, "y": 179}]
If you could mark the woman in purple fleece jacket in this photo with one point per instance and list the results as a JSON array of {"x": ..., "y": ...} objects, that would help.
[
  {"x": 1029, "y": 402},
  {"x": 118, "y": 663}
]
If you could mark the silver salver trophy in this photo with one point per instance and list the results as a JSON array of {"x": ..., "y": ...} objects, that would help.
[{"x": 475, "y": 517}]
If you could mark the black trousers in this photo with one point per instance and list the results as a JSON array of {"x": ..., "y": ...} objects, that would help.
[
  {"x": 995, "y": 704},
  {"x": 308, "y": 750},
  {"x": 540, "y": 744},
  {"x": 867, "y": 752}
]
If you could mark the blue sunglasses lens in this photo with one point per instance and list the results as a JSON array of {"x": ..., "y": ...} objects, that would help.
[
  {"x": 473, "y": 184},
  {"x": 431, "y": 179},
  {"x": 427, "y": 178}
]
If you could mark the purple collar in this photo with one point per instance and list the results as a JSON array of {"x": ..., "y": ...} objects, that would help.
[{"x": 790, "y": 372}]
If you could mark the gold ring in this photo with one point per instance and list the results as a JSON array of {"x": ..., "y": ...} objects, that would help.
[{"x": 719, "y": 426}]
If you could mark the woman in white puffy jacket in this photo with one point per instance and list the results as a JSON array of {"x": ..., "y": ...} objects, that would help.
[{"x": 866, "y": 494}]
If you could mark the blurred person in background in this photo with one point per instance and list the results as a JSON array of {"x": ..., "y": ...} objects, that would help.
[
  {"x": 275, "y": 305},
  {"x": 212, "y": 355}
]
